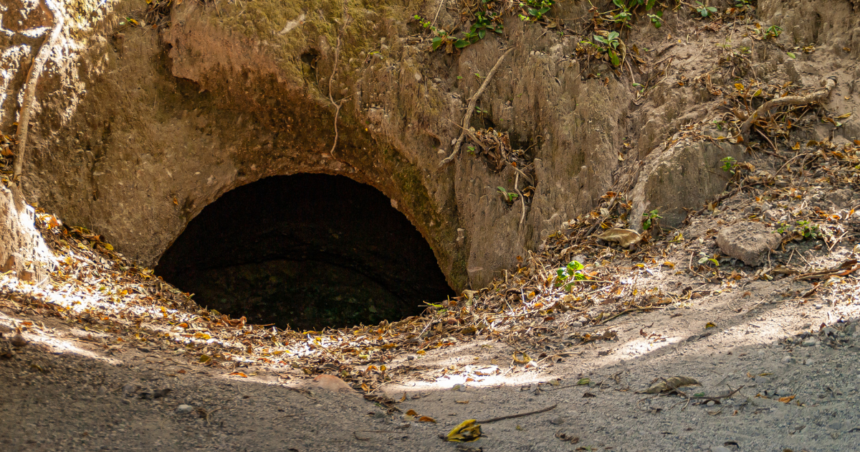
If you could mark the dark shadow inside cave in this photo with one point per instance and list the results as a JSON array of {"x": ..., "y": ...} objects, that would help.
[{"x": 308, "y": 251}]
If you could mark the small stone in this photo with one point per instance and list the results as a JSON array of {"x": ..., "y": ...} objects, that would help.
[
  {"x": 184, "y": 409},
  {"x": 711, "y": 403},
  {"x": 410, "y": 358},
  {"x": 557, "y": 421},
  {"x": 159, "y": 393},
  {"x": 130, "y": 389},
  {"x": 747, "y": 241},
  {"x": 762, "y": 380},
  {"x": 788, "y": 360},
  {"x": 809, "y": 342},
  {"x": 783, "y": 391},
  {"x": 146, "y": 394},
  {"x": 18, "y": 340}
]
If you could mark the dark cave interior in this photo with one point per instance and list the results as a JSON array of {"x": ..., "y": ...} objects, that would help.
[{"x": 309, "y": 251}]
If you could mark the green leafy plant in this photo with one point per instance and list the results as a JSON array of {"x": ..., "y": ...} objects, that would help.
[
  {"x": 534, "y": 10},
  {"x": 803, "y": 228},
  {"x": 569, "y": 274},
  {"x": 424, "y": 23},
  {"x": 656, "y": 19},
  {"x": 626, "y": 9},
  {"x": 609, "y": 46},
  {"x": 808, "y": 230},
  {"x": 485, "y": 19},
  {"x": 728, "y": 164},
  {"x": 773, "y": 31},
  {"x": 703, "y": 258},
  {"x": 650, "y": 218},
  {"x": 509, "y": 196},
  {"x": 705, "y": 11}
]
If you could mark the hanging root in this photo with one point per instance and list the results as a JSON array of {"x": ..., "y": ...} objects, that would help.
[
  {"x": 30, "y": 88},
  {"x": 828, "y": 84},
  {"x": 346, "y": 20},
  {"x": 471, "y": 108}
]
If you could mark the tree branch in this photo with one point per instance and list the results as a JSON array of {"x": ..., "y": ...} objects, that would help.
[
  {"x": 471, "y": 109},
  {"x": 828, "y": 84},
  {"x": 30, "y": 88}
]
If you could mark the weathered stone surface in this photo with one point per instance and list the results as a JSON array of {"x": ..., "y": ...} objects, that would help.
[
  {"x": 237, "y": 96},
  {"x": 684, "y": 176},
  {"x": 747, "y": 241}
]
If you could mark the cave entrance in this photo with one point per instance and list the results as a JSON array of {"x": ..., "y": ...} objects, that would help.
[{"x": 308, "y": 251}]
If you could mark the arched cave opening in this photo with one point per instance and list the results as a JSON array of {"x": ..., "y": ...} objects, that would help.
[{"x": 308, "y": 251}]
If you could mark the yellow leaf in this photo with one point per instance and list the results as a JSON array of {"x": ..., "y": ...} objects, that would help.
[
  {"x": 525, "y": 359},
  {"x": 669, "y": 264},
  {"x": 757, "y": 93},
  {"x": 108, "y": 246},
  {"x": 468, "y": 430},
  {"x": 739, "y": 86},
  {"x": 238, "y": 374},
  {"x": 205, "y": 358},
  {"x": 845, "y": 116},
  {"x": 420, "y": 352},
  {"x": 787, "y": 399},
  {"x": 710, "y": 325},
  {"x": 203, "y": 336},
  {"x": 796, "y": 146},
  {"x": 411, "y": 413}
]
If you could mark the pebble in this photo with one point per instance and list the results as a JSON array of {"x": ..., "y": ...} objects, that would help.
[
  {"x": 809, "y": 342},
  {"x": 783, "y": 391},
  {"x": 130, "y": 389},
  {"x": 183, "y": 409},
  {"x": 788, "y": 360}
]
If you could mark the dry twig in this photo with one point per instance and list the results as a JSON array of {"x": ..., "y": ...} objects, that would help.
[
  {"x": 513, "y": 416},
  {"x": 471, "y": 108}
]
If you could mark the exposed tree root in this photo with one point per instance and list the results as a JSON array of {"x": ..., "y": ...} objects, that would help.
[
  {"x": 30, "y": 88},
  {"x": 471, "y": 109},
  {"x": 514, "y": 416},
  {"x": 346, "y": 20},
  {"x": 828, "y": 84}
]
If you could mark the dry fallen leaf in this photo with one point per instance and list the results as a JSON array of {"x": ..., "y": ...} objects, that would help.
[
  {"x": 787, "y": 399},
  {"x": 238, "y": 374},
  {"x": 468, "y": 430},
  {"x": 624, "y": 237},
  {"x": 426, "y": 419},
  {"x": 669, "y": 384}
]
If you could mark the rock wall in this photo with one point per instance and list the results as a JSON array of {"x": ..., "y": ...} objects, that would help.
[
  {"x": 138, "y": 128},
  {"x": 173, "y": 118},
  {"x": 22, "y": 250}
]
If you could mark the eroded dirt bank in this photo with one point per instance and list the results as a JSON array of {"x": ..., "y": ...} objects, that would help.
[{"x": 743, "y": 278}]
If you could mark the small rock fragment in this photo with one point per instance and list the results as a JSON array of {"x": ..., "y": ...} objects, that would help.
[
  {"x": 748, "y": 242},
  {"x": 18, "y": 340},
  {"x": 809, "y": 342},
  {"x": 184, "y": 409},
  {"x": 332, "y": 383},
  {"x": 130, "y": 389}
]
